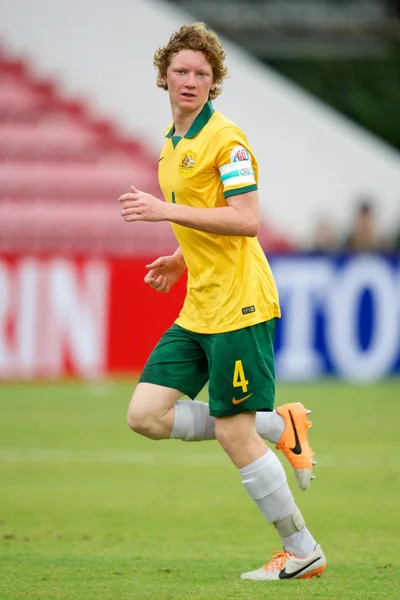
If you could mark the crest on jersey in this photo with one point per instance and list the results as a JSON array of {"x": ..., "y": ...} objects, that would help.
[
  {"x": 239, "y": 153},
  {"x": 187, "y": 163}
]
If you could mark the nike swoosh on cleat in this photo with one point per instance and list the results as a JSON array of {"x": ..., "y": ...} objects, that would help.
[
  {"x": 297, "y": 447},
  {"x": 284, "y": 575},
  {"x": 160, "y": 159}
]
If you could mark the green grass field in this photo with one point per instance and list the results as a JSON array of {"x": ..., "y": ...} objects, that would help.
[{"x": 91, "y": 511}]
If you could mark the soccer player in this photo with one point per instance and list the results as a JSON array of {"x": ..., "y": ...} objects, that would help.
[{"x": 225, "y": 331}]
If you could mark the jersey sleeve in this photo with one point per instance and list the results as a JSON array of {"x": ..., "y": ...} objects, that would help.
[{"x": 236, "y": 162}]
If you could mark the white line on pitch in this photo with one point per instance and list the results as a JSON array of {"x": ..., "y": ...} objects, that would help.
[
  {"x": 159, "y": 457},
  {"x": 110, "y": 456}
]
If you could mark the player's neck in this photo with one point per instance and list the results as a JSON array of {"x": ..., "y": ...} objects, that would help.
[{"x": 183, "y": 120}]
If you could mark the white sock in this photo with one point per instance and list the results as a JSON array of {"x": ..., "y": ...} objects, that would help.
[
  {"x": 301, "y": 543},
  {"x": 270, "y": 426},
  {"x": 265, "y": 482},
  {"x": 193, "y": 423}
]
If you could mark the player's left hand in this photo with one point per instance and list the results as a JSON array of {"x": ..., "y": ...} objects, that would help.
[{"x": 139, "y": 206}]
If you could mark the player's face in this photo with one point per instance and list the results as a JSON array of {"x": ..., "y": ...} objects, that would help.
[{"x": 189, "y": 80}]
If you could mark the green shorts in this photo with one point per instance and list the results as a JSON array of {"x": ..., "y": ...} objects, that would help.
[{"x": 239, "y": 366}]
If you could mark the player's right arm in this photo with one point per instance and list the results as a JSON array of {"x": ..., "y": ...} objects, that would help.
[{"x": 165, "y": 271}]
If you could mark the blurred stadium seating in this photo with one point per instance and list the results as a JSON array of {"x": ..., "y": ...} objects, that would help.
[{"x": 61, "y": 172}]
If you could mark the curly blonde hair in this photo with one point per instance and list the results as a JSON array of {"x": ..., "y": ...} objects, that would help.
[{"x": 200, "y": 39}]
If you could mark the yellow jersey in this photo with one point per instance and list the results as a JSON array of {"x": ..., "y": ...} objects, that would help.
[{"x": 230, "y": 283}]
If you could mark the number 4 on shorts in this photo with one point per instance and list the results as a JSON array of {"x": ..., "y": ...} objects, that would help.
[{"x": 239, "y": 379}]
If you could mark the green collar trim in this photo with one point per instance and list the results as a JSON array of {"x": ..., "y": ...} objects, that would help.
[
  {"x": 171, "y": 131},
  {"x": 200, "y": 121},
  {"x": 175, "y": 140}
]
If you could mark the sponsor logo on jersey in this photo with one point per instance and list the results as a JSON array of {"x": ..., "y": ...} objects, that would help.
[
  {"x": 239, "y": 153},
  {"x": 187, "y": 163}
]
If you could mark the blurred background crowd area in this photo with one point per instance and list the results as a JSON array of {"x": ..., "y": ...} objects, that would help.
[
  {"x": 62, "y": 167},
  {"x": 363, "y": 234}
]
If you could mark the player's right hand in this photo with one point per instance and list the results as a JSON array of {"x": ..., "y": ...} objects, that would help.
[{"x": 165, "y": 272}]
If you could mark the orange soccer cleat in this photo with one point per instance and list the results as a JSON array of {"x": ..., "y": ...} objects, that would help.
[{"x": 294, "y": 442}]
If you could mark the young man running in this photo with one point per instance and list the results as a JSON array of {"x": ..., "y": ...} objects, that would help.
[{"x": 225, "y": 331}]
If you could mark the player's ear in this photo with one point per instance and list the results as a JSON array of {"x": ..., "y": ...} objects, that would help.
[
  {"x": 213, "y": 86},
  {"x": 162, "y": 78}
]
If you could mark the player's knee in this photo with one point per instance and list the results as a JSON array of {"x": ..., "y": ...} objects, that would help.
[
  {"x": 234, "y": 431},
  {"x": 223, "y": 432},
  {"x": 141, "y": 421}
]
